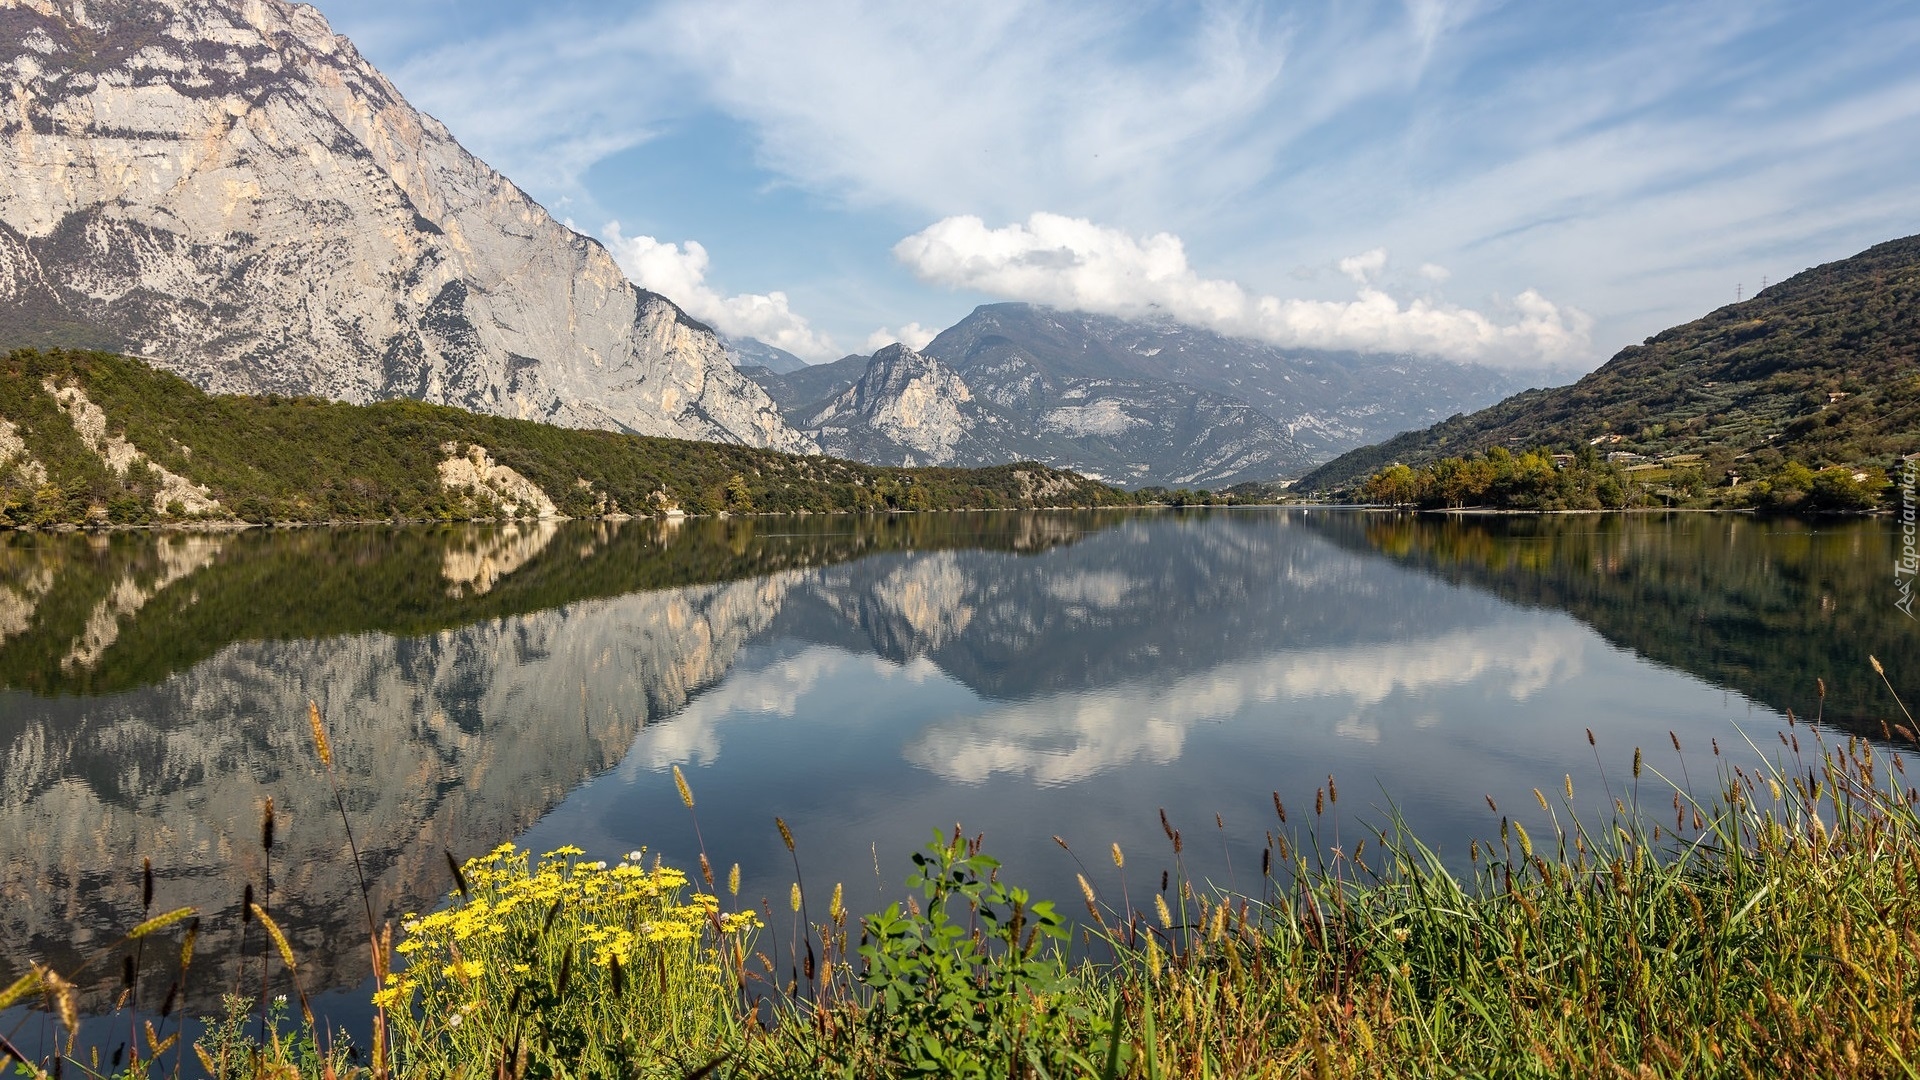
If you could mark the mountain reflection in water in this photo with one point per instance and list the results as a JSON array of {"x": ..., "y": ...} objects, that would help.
[{"x": 867, "y": 679}]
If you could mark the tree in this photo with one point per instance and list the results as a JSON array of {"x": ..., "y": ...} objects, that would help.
[{"x": 739, "y": 497}]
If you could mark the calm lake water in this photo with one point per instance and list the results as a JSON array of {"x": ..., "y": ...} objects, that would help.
[{"x": 869, "y": 680}]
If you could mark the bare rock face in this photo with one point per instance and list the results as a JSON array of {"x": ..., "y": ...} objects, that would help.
[
  {"x": 229, "y": 189},
  {"x": 910, "y": 409},
  {"x": 476, "y": 475}
]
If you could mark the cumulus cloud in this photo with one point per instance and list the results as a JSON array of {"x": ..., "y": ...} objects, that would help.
[
  {"x": 1077, "y": 264},
  {"x": 1366, "y": 266},
  {"x": 679, "y": 273},
  {"x": 912, "y": 335}
]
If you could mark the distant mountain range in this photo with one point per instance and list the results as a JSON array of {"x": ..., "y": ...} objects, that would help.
[
  {"x": 1129, "y": 402},
  {"x": 1822, "y": 368},
  {"x": 228, "y": 189}
]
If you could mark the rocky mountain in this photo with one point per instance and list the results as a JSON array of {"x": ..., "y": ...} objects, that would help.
[
  {"x": 1157, "y": 402},
  {"x": 909, "y": 408},
  {"x": 1326, "y": 401},
  {"x": 229, "y": 188},
  {"x": 1823, "y": 368},
  {"x": 796, "y": 392}
]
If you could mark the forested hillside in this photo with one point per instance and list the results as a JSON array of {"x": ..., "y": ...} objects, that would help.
[
  {"x": 1822, "y": 369},
  {"x": 88, "y": 437}
]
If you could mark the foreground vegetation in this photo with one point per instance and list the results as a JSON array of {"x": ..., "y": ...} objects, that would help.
[
  {"x": 1767, "y": 927},
  {"x": 304, "y": 459}
]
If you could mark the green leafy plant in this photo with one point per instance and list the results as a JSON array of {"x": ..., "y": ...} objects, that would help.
[{"x": 974, "y": 984}]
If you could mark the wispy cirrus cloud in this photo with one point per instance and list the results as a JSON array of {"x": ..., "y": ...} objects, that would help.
[
  {"x": 1075, "y": 263},
  {"x": 1634, "y": 160}
]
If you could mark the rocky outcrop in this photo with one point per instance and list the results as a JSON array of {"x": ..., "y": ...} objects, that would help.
[
  {"x": 229, "y": 189},
  {"x": 90, "y": 423},
  {"x": 16, "y": 462},
  {"x": 488, "y": 486}
]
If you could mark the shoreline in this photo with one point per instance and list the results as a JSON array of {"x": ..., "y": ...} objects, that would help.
[{"x": 225, "y": 526}]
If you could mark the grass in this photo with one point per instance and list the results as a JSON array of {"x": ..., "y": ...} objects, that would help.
[{"x": 1765, "y": 926}]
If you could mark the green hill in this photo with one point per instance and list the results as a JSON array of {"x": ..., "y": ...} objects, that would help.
[
  {"x": 1822, "y": 369},
  {"x": 93, "y": 438}
]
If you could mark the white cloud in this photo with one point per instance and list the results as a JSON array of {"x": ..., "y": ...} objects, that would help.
[
  {"x": 679, "y": 273},
  {"x": 1640, "y": 167},
  {"x": 1077, "y": 264},
  {"x": 1066, "y": 738},
  {"x": 1434, "y": 272},
  {"x": 913, "y": 336},
  {"x": 1364, "y": 267}
]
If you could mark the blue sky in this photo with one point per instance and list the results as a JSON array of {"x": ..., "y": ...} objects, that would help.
[{"x": 1519, "y": 183}]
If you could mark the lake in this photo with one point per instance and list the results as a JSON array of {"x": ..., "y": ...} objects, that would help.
[{"x": 870, "y": 680}]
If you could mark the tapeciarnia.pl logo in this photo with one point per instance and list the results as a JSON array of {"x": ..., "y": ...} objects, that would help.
[{"x": 1908, "y": 562}]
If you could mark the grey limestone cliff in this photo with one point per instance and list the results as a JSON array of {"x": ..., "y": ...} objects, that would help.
[
  {"x": 909, "y": 409},
  {"x": 228, "y": 188}
]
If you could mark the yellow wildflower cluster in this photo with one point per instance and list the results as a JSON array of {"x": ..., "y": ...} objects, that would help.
[{"x": 515, "y": 911}]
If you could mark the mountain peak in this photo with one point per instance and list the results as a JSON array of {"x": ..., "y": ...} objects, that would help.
[{"x": 228, "y": 188}]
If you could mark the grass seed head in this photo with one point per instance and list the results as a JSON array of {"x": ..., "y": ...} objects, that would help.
[
  {"x": 786, "y": 835},
  {"x": 320, "y": 744},
  {"x": 266, "y": 826},
  {"x": 60, "y": 994},
  {"x": 279, "y": 939},
  {"x": 1119, "y": 859}
]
